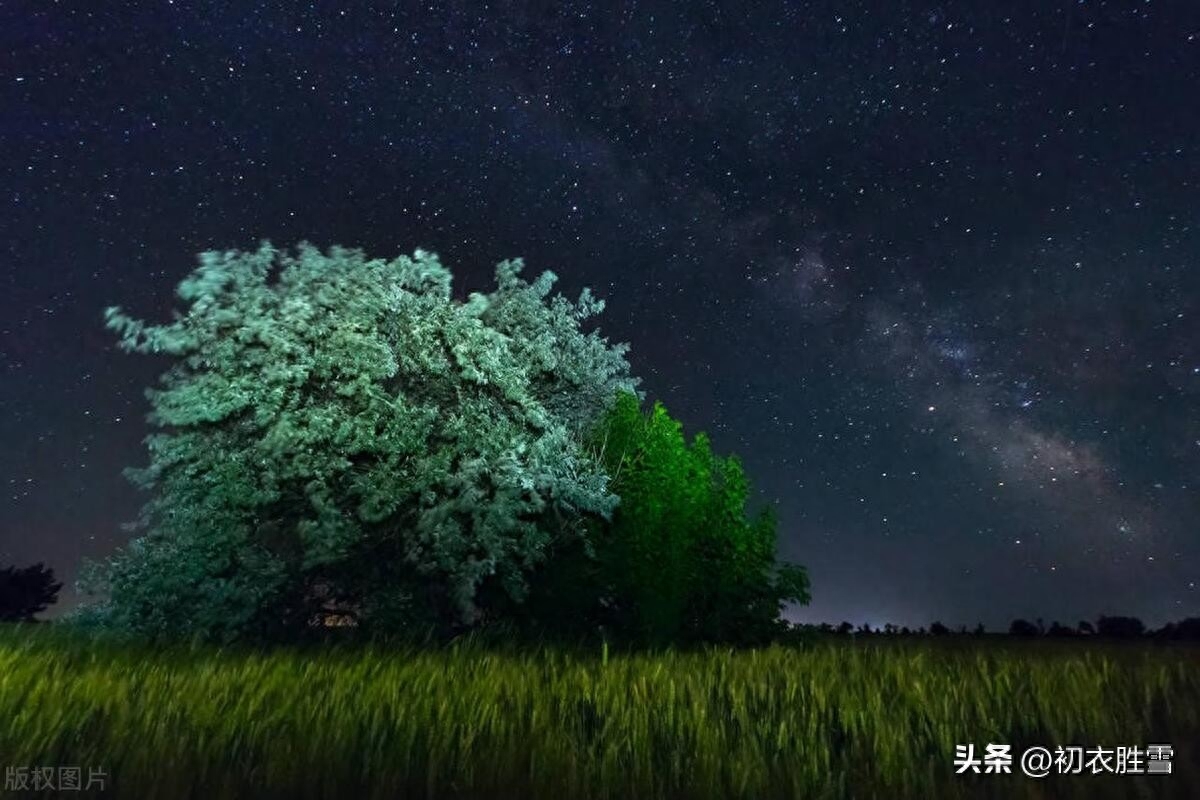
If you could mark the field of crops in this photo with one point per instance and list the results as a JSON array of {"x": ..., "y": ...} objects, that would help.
[{"x": 836, "y": 718}]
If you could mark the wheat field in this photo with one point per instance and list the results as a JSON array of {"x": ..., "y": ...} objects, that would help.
[{"x": 832, "y": 718}]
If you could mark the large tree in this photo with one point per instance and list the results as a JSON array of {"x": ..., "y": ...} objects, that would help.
[{"x": 338, "y": 433}]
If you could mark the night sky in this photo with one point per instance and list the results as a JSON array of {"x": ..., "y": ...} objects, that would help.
[{"x": 931, "y": 269}]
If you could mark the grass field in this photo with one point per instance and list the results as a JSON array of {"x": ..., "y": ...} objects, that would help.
[{"x": 832, "y": 719}]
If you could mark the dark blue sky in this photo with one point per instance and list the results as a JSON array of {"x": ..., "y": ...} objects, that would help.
[{"x": 931, "y": 269}]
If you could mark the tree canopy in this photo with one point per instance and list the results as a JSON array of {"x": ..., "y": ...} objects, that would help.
[
  {"x": 338, "y": 438},
  {"x": 338, "y": 433}
]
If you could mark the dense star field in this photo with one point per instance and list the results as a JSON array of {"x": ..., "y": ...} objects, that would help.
[{"x": 930, "y": 269}]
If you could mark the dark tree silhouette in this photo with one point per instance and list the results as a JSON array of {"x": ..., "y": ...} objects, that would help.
[
  {"x": 25, "y": 592},
  {"x": 1059, "y": 630},
  {"x": 1022, "y": 627},
  {"x": 1120, "y": 627},
  {"x": 1108, "y": 626},
  {"x": 1186, "y": 630}
]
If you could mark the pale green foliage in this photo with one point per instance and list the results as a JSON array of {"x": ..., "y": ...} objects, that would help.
[{"x": 329, "y": 407}]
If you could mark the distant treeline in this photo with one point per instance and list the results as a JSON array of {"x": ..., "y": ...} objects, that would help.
[{"x": 1112, "y": 627}]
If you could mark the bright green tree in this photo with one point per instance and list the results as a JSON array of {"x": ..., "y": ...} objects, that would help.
[
  {"x": 680, "y": 559},
  {"x": 338, "y": 433}
]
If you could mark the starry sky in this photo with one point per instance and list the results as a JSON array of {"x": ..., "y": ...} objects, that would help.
[{"x": 931, "y": 269}]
